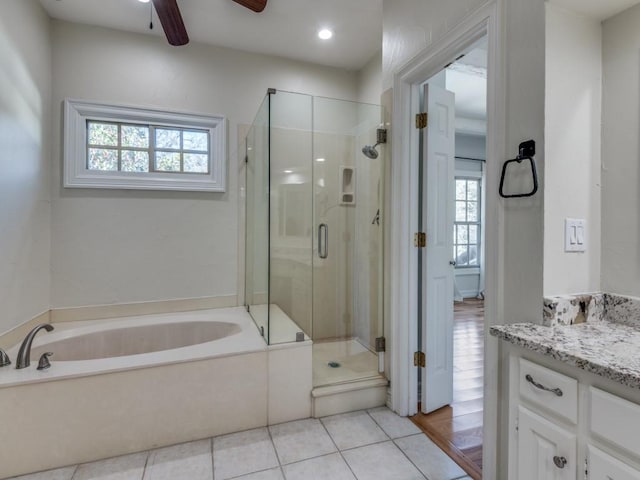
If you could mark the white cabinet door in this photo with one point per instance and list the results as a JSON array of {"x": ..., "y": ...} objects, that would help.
[
  {"x": 545, "y": 450},
  {"x": 603, "y": 466}
]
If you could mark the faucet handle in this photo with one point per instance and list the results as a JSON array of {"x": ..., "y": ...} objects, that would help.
[
  {"x": 44, "y": 363},
  {"x": 4, "y": 359}
]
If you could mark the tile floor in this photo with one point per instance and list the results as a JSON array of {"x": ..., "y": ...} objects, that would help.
[{"x": 372, "y": 444}]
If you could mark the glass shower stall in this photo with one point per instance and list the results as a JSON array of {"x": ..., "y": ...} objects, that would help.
[{"x": 314, "y": 230}]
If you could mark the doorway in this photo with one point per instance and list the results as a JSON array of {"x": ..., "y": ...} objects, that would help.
[{"x": 450, "y": 387}]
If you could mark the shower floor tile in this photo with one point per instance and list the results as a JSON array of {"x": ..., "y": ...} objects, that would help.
[
  {"x": 369, "y": 444},
  {"x": 355, "y": 362}
]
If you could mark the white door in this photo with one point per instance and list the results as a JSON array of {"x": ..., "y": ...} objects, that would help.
[
  {"x": 545, "y": 450},
  {"x": 603, "y": 466},
  {"x": 437, "y": 267}
]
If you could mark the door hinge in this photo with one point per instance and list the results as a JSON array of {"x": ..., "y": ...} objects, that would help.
[
  {"x": 381, "y": 344},
  {"x": 420, "y": 240},
  {"x": 421, "y": 120},
  {"x": 246, "y": 159},
  {"x": 419, "y": 359}
]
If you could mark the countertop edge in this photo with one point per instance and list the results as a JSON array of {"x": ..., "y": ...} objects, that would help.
[{"x": 587, "y": 364}]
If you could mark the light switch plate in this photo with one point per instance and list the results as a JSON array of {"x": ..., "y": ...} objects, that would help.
[{"x": 575, "y": 235}]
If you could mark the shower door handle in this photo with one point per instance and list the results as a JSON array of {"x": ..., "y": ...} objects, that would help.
[{"x": 323, "y": 240}]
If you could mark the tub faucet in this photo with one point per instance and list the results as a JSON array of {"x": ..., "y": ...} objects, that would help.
[{"x": 24, "y": 353}]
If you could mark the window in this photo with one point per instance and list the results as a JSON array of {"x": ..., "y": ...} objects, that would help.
[
  {"x": 123, "y": 147},
  {"x": 466, "y": 230}
]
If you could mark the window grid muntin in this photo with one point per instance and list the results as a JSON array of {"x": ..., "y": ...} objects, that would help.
[
  {"x": 151, "y": 150},
  {"x": 468, "y": 223}
]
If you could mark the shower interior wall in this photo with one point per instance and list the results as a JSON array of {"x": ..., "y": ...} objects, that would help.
[{"x": 311, "y": 140}]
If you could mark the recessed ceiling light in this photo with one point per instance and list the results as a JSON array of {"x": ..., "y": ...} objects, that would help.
[
  {"x": 288, "y": 171},
  {"x": 319, "y": 159},
  {"x": 325, "y": 34},
  {"x": 143, "y": 1}
]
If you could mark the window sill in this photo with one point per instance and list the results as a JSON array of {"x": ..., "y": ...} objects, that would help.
[{"x": 461, "y": 271}]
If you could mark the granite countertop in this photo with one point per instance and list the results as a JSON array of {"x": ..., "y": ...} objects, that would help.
[{"x": 608, "y": 349}]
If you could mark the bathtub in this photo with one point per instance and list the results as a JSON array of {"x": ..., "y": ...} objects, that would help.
[{"x": 131, "y": 384}]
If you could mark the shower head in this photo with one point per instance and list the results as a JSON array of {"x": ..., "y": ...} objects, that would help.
[{"x": 370, "y": 151}]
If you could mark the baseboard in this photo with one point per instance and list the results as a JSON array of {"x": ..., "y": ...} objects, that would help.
[
  {"x": 469, "y": 293},
  {"x": 99, "y": 312},
  {"x": 16, "y": 335}
]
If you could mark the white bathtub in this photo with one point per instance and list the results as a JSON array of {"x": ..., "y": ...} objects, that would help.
[{"x": 131, "y": 384}]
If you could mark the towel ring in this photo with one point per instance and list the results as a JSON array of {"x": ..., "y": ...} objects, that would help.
[{"x": 527, "y": 151}]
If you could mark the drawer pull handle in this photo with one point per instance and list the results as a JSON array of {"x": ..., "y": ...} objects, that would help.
[
  {"x": 530, "y": 379},
  {"x": 560, "y": 462}
]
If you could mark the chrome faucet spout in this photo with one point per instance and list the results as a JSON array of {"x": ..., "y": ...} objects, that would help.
[{"x": 24, "y": 354}]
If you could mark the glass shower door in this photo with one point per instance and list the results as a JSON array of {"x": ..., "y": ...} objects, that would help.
[
  {"x": 257, "y": 221},
  {"x": 347, "y": 260}
]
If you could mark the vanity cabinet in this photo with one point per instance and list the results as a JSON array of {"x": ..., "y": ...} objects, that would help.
[
  {"x": 564, "y": 428},
  {"x": 603, "y": 466},
  {"x": 546, "y": 451}
]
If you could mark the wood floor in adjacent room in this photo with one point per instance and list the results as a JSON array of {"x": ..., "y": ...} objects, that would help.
[{"x": 457, "y": 429}]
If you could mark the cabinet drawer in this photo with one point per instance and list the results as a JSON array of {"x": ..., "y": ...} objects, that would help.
[
  {"x": 603, "y": 466},
  {"x": 615, "y": 419},
  {"x": 551, "y": 391}
]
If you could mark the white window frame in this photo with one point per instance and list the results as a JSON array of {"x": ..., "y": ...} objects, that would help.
[
  {"x": 77, "y": 175},
  {"x": 473, "y": 176}
]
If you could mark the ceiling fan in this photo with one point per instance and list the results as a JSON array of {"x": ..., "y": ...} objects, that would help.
[{"x": 171, "y": 19}]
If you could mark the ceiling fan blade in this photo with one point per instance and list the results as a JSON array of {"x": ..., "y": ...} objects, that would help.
[
  {"x": 255, "y": 5},
  {"x": 171, "y": 20}
]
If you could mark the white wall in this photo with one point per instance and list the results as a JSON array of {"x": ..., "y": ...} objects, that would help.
[
  {"x": 370, "y": 80},
  {"x": 620, "y": 154},
  {"x": 572, "y": 129},
  {"x": 409, "y": 26},
  {"x": 471, "y": 146},
  {"x": 112, "y": 246},
  {"x": 25, "y": 213}
]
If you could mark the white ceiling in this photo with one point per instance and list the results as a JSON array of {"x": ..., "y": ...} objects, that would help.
[
  {"x": 598, "y": 9},
  {"x": 286, "y": 28}
]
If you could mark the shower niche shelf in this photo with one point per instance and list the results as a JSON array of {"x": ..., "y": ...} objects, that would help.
[{"x": 347, "y": 185}]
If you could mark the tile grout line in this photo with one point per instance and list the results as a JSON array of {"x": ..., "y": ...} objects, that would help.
[
  {"x": 253, "y": 473},
  {"x": 312, "y": 458},
  {"x": 407, "y": 457},
  {"x": 213, "y": 474},
  {"x": 393, "y": 440},
  {"x": 273, "y": 444},
  {"x": 74, "y": 472},
  {"x": 146, "y": 461},
  {"x": 338, "y": 450}
]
